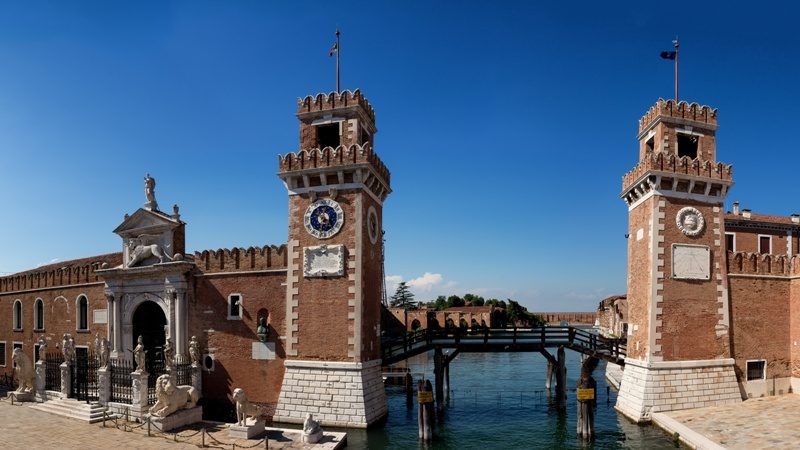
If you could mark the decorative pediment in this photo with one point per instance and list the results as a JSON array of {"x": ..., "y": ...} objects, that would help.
[{"x": 145, "y": 221}]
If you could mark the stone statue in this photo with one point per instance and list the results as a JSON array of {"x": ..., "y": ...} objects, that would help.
[
  {"x": 96, "y": 347},
  {"x": 169, "y": 354},
  {"x": 104, "y": 353},
  {"x": 263, "y": 329},
  {"x": 170, "y": 398},
  {"x": 150, "y": 192},
  {"x": 68, "y": 348},
  {"x": 244, "y": 408},
  {"x": 42, "y": 348},
  {"x": 138, "y": 355},
  {"x": 312, "y": 432},
  {"x": 24, "y": 369},
  {"x": 144, "y": 246},
  {"x": 194, "y": 351}
]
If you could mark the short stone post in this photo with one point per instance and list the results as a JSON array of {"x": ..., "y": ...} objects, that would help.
[
  {"x": 41, "y": 378},
  {"x": 197, "y": 377},
  {"x": 103, "y": 386},
  {"x": 139, "y": 389},
  {"x": 425, "y": 414},
  {"x": 66, "y": 379}
]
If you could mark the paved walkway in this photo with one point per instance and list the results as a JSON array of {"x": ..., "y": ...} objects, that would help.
[
  {"x": 761, "y": 423},
  {"x": 26, "y": 428}
]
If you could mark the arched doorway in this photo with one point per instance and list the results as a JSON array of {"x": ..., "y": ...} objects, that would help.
[{"x": 149, "y": 322}]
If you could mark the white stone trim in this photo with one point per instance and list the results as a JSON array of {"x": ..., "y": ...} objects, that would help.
[
  {"x": 241, "y": 303},
  {"x": 292, "y": 277},
  {"x": 789, "y": 243},
  {"x": 656, "y": 279},
  {"x": 689, "y": 364},
  {"x": 340, "y": 187},
  {"x": 731, "y": 233},
  {"x": 16, "y": 318},
  {"x": 723, "y": 298},
  {"x": 358, "y": 294},
  {"x": 758, "y": 243},
  {"x": 5, "y": 353},
  {"x": 337, "y": 365},
  {"x": 691, "y": 438}
]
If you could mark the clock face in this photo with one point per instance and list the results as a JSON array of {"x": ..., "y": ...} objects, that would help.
[
  {"x": 372, "y": 224},
  {"x": 324, "y": 218}
]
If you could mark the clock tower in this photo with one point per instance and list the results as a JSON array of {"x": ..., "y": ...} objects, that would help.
[
  {"x": 337, "y": 185},
  {"x": 679, "y": 352}
]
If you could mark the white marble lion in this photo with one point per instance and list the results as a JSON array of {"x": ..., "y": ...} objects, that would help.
[
  {"x": 170, "y": 398},
  {"x": 24, "y": 369},
  {"x": 244, "y": 408}
]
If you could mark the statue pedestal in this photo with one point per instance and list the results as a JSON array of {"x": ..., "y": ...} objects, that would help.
[
  {"x": 253, "y": 428},
  {"x": 66, "y": 379},
  {"x": 197, "y": 377},
  {"x": 22, "y": 396},
  {"x": 103, "y": 386},
  {"x": 139, "y": 388},
  {"x": 41, "y": 378},
  {"x": 178, "y": 418},
  {"x": 312, "y": 438}
]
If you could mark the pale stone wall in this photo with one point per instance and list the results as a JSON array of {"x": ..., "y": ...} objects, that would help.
[
  {"x": 653, "y": 387},
  {"x": 337, "y": 393}
]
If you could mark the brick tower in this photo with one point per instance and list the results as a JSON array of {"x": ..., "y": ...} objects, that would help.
[
  {"x": 337, "y": 186},
  {"x": 679, "y": 353}
]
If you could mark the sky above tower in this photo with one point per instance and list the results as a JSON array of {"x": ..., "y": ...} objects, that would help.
[{"x": 506, "y": 126}]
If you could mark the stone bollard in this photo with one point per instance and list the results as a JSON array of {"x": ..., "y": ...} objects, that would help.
[
  {"x": 139, "y": 388},
  {"x": 66, "y": 379},
  {"x": 41, "y": 379},
  {"x": 197, "y": 377},
  {"x": 103, "y": 386}
]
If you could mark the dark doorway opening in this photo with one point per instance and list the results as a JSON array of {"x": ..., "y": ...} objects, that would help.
[
  {"x": 687, "y": 145},
  {"x": 328, "y": 135},
  {"x": 149, "y": 322}
]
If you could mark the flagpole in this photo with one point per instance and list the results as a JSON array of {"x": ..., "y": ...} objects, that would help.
[
  {"x": 676, "y": 44},
  {"x": 338, "y": 51}
]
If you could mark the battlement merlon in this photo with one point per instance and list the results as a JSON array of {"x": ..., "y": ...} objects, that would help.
[
  {"x": 343, "y": 167},
  {"x": 320, "y": 104},
  {"x": 683, "y": 113}
]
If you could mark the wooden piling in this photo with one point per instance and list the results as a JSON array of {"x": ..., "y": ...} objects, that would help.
[
  {"x": 447, "y": 381},
  {"x": 438, "y": 371},
  {"x": 587, "y": 397},
  {"x": 561, "y": 379},
  {"x": 549, "y": 379},
  {"x": 425, "y": 416}
]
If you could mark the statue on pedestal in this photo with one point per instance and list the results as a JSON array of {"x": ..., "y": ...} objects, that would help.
[
  {"x": 169, "y": 354},
  {"x": 170, "y": 398},
  {"x": 150, "y": 192},
  {"x": 312, "y": 432},
  {"x": 42, "y": 348},
  {"x": 194, "y": 351},
  {"x": 244, "y": 408},
  {"x": 138, "y": 355},
  {"x": 24, "y": 369},
  {"x": 68, "y": 348}
]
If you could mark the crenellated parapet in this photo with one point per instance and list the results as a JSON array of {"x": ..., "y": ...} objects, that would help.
[
  {"x": 669, "y": 163},
  {"x": 268, "y": 257},
  {"x": 746, "y": 263},
  {"x": 335, "y": 100},
  {"x": 681, "y": 110},
  {"x": 344, "y": 165},
  {"x": 68, "y": 273}
]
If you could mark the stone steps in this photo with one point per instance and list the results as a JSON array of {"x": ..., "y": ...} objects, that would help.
[{"x": 73, "y": 409}]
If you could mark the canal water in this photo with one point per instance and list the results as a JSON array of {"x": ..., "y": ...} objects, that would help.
[{"x": 498, "y": 401}]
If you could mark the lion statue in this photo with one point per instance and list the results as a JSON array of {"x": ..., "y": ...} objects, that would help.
[
  {"x": 170, "y": 398},
  {"x": 24, "y": 369},
  {"x": 143, "y": 247},
  {"x": 244, "y": 408}
]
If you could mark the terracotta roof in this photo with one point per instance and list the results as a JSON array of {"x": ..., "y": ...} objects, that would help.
[{"x": 761, "y": 218}]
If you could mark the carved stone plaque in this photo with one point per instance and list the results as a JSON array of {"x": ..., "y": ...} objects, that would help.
[
  {"x": 691, "y": 262},
  {"x": 323, "y": 261}
]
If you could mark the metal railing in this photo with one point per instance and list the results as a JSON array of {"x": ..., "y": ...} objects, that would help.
[{"x": 121, "y": 381}]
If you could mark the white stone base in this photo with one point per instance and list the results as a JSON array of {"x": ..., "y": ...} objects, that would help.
[
  {"x": 653, "y": 387},
  {"x": 312, "y": 438},
  {"x": 339, "y": 394},
  {"x": 253, "y": 428},
  {"x": 21, "y": 396},
  {"x": 178, "y": 418}
]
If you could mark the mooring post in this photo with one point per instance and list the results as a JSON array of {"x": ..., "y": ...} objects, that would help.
[
  {"x": 409, "y": 386},
  {"x": 438, "y": 372},
  {"x": 447, "y": 381},
  {"x": 587, "y": 396},
  {"x": 561, "y": 379},
  {"x": 425, "y": 412},
  {"x": 549, "y": 379}
]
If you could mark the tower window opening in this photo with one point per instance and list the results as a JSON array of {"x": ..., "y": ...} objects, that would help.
[
  {"x": 687, "y": 145},
  {"x": 328, "y": 135},
  {"x": 650, "y": 145}
]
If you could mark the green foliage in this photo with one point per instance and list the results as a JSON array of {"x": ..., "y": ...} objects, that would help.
[
  {"x": 473, "y": 300},
  {"x": 403, "y": 298},
  {"x": 454, "y": 301}
]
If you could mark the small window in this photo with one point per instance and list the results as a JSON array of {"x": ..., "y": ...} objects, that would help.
[
  {"x": 2, "y": 354},
  {"x": 235, "y": 307},
  {"x": 730, "y": 242},
  {"x": 39, "y": 314},
  {"x": 756, "y": 370},
  {"x": 650, "y": 145},
  {"x": 18, "y": 315},
  {"x": 764, "y": 244},
  {"x": 687, "y": 145},
  {"x": 328, "y": 135},
  {"x": 83, "y": 313}
]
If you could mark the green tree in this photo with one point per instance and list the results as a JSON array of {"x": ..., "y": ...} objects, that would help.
[
  {"x": 402, "y": 298},
  {"x": 439, "y": 304},
  {"x": 454, "y": 301},
  {"x": 473, "y": 300}
]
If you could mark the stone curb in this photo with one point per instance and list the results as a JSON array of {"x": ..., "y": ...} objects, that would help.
[{"x": 691, "y": 438}]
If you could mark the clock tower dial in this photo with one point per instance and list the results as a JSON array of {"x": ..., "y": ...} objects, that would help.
[{"x": 323, "y": 218}]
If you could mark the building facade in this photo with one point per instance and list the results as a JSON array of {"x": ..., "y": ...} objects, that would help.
[
  {"x": 318, "y": 296},
  {"x": 711, "y": 295}
]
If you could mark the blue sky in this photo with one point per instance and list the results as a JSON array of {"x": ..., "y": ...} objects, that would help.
[{"x": 506, "y": 126}]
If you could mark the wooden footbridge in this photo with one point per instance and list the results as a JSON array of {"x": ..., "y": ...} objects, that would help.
[{"x": 502, "y": 340}]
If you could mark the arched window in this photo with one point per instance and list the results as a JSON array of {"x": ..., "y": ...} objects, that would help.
[
  {"x": 18, "y": 315},
  {"x": 38, "y": 312},
  {"x": 83, "y": 313}
]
